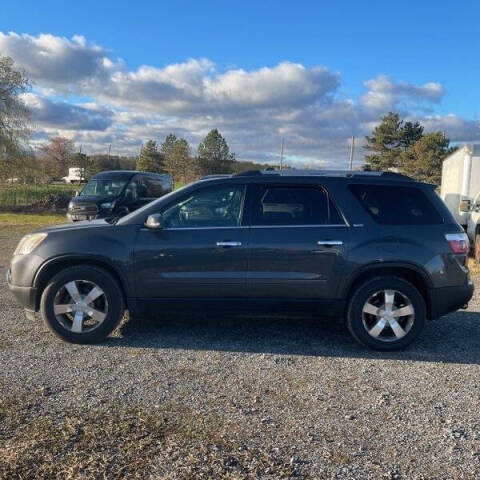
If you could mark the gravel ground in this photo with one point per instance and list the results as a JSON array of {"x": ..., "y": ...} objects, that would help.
[{"x": 298, "y": 394}]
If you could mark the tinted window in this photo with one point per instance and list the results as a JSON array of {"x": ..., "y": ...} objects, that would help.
[
  {"x": 135, "y": 190},
  {"x": 101, "y": 187},
  {"x": 219, "y": 206},
  {"x": 294, "y": 206},
  {"x": 392, "y": 205},
  {"x": 156, "y": 187}
]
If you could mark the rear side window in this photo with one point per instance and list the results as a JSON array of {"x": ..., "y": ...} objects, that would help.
[
  {"x": 294, "y": 206},
  {"x": 397, "y": 205}
]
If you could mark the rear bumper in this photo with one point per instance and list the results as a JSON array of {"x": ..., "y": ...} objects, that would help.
[
  {"x": 26, "y": 296},
  {"x": 448, "y": 299}
]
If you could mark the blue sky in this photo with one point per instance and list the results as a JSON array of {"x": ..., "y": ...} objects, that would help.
[{"x": 427, "y": 51}]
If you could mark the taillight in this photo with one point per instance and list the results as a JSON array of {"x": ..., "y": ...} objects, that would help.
[{"x": 458, "y": 242}]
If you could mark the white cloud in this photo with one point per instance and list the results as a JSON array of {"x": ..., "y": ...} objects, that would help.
[
  {"x": 56, "y": 62},
  {"x": 49, "y": 113},
  {"x": 384, "y": 94},
  {"x": 254, "y": 109}
]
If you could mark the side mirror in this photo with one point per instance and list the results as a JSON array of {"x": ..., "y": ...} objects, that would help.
[
  {"x": 464, "y": 206},
  {"x": 155, "y": 222}
]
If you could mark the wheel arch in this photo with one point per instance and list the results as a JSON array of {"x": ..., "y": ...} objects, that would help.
[
  {"x": 55, "y": 265},
  {"x": 413, "y": 274}
]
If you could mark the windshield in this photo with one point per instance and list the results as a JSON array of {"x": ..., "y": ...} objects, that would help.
[{"x": 104, "y": 187}]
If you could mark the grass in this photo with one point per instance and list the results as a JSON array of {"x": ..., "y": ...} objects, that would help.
[
  {"x": 14, "y": 225},
  {"x": 30, "y": 219},
  {"x": 474, "y": 267},
  {"x": 126, "y": 442}
]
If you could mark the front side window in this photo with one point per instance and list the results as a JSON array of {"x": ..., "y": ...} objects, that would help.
[
  {"x": 103, "y": 187},
  {"x": 219, "y": 206},
  {"x": 396, "y": 205},
  {"x": 278, "y": 205},
  {"x": 155, "y": 187}
]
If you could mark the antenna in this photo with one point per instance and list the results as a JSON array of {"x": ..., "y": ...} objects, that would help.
[
  {"x": 352, "y": 150},
  {"x": 281, "y": 154}
]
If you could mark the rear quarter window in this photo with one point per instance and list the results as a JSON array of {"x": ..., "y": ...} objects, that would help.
[{"x": 397, "y": 205}]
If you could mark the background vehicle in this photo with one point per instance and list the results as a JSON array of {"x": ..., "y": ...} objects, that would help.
[
  {"x": 461, "y": 182},
  {"x": 116, "y": 193},
  {"x": 381, "y": 250},
  {"x": 74, "y": 175}
]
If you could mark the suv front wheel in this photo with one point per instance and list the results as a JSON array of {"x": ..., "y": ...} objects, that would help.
[
  {"x": 82, "y": 304},
  {"x": 386, "y": 313}
]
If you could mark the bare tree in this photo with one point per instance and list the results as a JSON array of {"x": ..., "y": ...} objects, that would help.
[
  {"x": 14, "y": 116},
  {"x": 55, "y": 157}
]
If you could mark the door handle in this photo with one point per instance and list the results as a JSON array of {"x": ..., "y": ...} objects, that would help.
[
  {"x": 330, "y": 243},
  {"x": 229, "y": 244}
]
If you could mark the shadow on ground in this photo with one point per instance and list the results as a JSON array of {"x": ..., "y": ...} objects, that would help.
[{"x": 452, "y": 339}]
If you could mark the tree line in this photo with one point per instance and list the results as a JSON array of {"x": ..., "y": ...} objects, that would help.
[{"x": 174, "y": 156}]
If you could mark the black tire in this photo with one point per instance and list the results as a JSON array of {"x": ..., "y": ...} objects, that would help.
[
  {"x": 111, "y": 290},
  {"x": 355, "y": 318}
]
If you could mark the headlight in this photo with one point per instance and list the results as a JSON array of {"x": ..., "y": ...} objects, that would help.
[
  {"x": 107, "y": 205},
  {"x": 29, "y": 243}
]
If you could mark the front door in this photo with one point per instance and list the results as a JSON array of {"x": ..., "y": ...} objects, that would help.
[
  {"x": 201, "y": 252},
  {"x": 298, "y": 243}
]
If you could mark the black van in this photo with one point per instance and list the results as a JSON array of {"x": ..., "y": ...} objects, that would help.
[{"x": 116, "y": 193}]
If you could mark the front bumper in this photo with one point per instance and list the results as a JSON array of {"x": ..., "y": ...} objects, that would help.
[
  {"x": 26, "y": 296},
  {"x": 448, "y": 299},
  {"x": 75, "y": 217}
]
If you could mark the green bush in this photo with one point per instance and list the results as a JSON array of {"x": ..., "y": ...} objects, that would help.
[{"x": 23, "y": 196}]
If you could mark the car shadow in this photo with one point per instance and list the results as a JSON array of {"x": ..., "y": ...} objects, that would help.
[{"x": 453, "y": 339}]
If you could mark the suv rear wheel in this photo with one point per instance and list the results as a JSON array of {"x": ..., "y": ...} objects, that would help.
[
  {"x": 82, "y": 304},
  {"x": 386, "y": 313}
]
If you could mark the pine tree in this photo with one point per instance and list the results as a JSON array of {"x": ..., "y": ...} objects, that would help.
[
  {"x": 423, "y": 160},
  {"x": 150, "y": 159},
  {"x": 384, "y": 143},
  {"x": 214, "y": 154}
]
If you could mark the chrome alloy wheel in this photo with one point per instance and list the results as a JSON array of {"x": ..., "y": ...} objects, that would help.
[
  {"x": 80, "y": 306},
  {"x": 388, "y": 315}
]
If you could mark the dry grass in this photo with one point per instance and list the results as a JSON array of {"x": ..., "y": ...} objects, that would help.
[
  {"x": 474, "y": 267},
  {"x": 126, "y": 442},
  {"x": 30, "y": 219}
]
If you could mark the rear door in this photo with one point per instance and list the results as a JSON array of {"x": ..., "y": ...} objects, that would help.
[{"x": 298, "y": 242}]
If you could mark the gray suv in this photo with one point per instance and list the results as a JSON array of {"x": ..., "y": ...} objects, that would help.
[{"x": 377, "y": 249}]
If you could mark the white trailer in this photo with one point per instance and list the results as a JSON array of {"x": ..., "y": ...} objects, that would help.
[
  {"x": 461, "y": 181},
  {"x": 74, "y": 175}
]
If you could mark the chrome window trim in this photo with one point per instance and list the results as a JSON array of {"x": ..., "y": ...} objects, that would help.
[
  {"x": 243, "y": 227},
  {"x": 300, "y": 226}
]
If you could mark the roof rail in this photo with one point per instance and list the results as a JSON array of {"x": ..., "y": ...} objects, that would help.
[{"x": 325, "y": 173}]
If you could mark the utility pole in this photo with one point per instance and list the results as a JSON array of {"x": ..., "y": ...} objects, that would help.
[
  {"x": 281, "y": 154},
  {"x": 352, "y": 149},
  {"x": 109, "y": 149}
]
